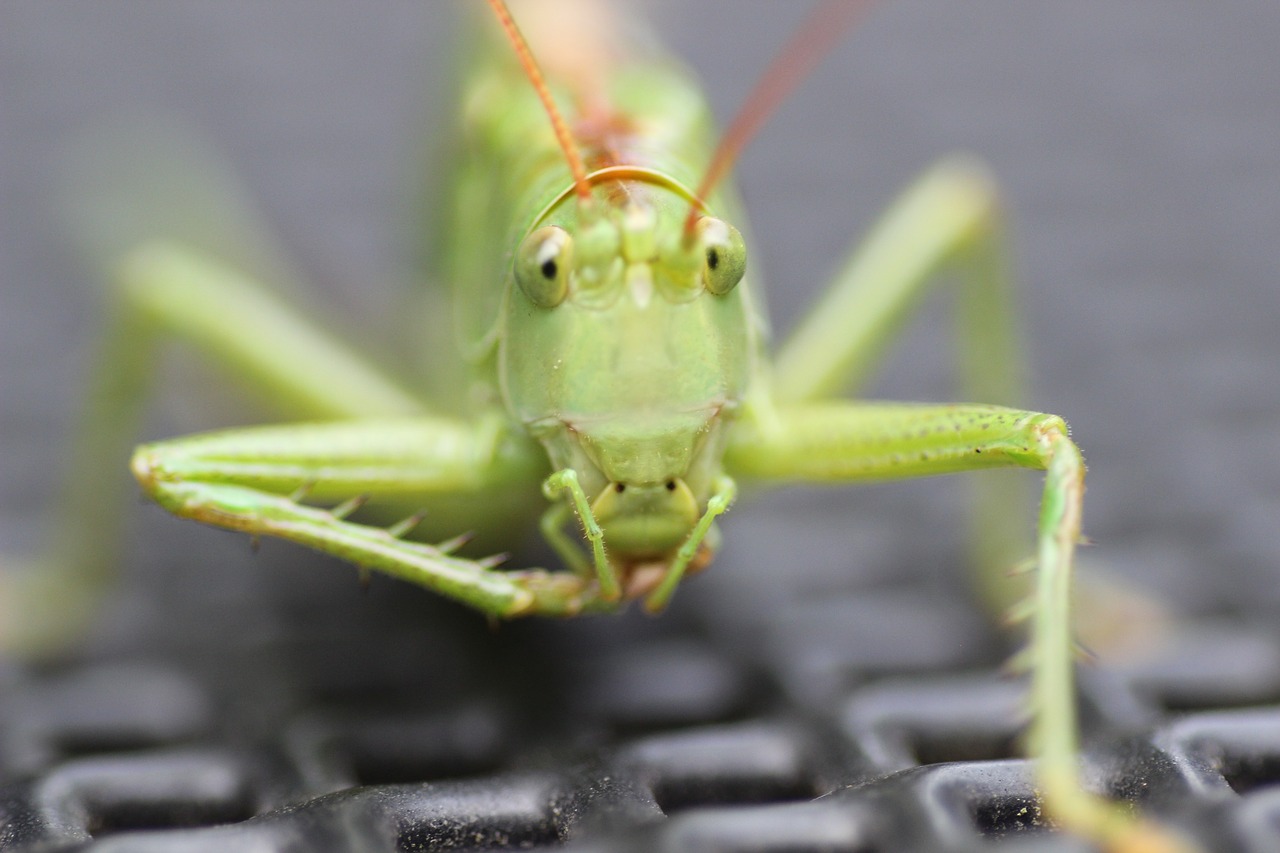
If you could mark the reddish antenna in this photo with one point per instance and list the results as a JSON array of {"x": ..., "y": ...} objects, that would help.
[
  {"x": 820, "y": 32},
  {"x": 531, "y": 70}
]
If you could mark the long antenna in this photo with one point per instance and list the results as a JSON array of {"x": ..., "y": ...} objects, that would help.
[
  {"x": 822, "y": 30},
  {"x": 531, "y": 70}
]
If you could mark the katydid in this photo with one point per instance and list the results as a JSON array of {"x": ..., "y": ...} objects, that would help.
[{"x": 620, "y": 384}]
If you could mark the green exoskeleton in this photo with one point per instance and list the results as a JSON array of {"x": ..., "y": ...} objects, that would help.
[{"x": 619, "y": 384}]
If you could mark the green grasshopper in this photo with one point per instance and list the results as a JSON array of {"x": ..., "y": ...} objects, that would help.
[{"x": 619, "y": 381}]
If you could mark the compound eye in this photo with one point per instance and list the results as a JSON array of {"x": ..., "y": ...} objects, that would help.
[
  {"x": 724, "y": 255},
  {"x": 542, "y": 265}
]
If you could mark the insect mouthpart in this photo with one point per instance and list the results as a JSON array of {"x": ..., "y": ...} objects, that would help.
[{"x": 643, "y": 521}]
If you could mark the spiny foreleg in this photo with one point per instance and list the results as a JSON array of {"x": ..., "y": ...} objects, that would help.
[{"x": 255, "y": 481}]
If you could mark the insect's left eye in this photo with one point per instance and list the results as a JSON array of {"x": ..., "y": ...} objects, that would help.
[
  {"x": 542, "y": 265},
  {"x": 724, "y": 255}
]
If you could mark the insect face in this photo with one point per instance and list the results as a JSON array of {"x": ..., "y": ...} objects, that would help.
[{"x": 626, "y": 343}]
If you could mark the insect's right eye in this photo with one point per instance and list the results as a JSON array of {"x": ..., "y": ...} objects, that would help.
[{"x": 543, "y": 264}]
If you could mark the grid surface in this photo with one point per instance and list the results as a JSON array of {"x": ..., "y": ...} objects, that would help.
[{"x": 616, "y": 735}]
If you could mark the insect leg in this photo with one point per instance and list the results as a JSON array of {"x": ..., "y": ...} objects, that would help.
[
  {"x": 949, "y": 220},
  {"x": 948, "y": 227},
  {"x": 166, "y": 292},
  {"x": 247, "y": 480},
  {"x": 552, "y": 525},
  {"x": 566, "y": 480},
  {"x": 726, "y": 490},
  {"x": 300, "y": 370},
  {"x": 845, "y": 441}
]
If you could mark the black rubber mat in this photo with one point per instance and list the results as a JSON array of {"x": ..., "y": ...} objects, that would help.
[
  {"x": 615, "y": 734},
  {"x": 826, "y": 685}
]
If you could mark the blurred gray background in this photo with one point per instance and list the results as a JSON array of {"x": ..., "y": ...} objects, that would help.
[{"x": 1138, "y": 142}]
